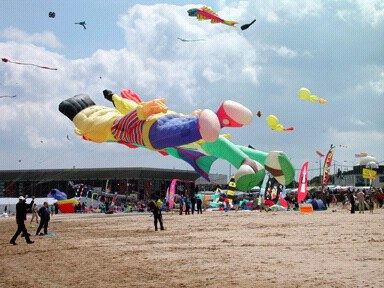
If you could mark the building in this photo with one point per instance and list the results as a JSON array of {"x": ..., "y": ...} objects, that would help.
[
  {"x": 354, "y": 177},
  {"x": 142, "y": 181}
]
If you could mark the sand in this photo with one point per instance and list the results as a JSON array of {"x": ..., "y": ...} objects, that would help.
[{"x": 216, "y": 249}]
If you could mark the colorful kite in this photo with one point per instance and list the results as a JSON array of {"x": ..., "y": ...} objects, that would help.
[
  {"x": 274, "y": 123},
  {"x": 5, "y": 60},
  {"x": 306, "y": 95},
  {"x": 206, "y": 13},
  {"x": 193, "y": 138}
]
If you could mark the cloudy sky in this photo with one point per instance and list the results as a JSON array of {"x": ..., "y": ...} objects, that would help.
[{"x": 334, "y": 48}]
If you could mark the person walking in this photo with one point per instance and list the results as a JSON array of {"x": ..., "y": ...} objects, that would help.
[
  {"x": 361, "y": 199},
  {"x": 21, "y": 216},
  {"x": 44, "y": 219},
  {"x": 199, "y": 204},
  {"x": 155, "y": 208},
  {"x": 34, "y": 214}
]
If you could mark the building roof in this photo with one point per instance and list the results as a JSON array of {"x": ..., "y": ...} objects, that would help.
[{"x": 96, "y": 174}]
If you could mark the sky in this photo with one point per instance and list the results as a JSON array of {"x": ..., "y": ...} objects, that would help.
[{"x": 334, "y": 48}]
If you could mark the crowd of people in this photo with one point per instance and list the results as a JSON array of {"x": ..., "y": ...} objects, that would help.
[{"x": 188, "y": 203}]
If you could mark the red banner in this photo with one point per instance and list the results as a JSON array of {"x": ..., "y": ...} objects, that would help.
[{"x": 302, "y": 190}]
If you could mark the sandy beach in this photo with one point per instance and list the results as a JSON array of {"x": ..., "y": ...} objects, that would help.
[{"x": 216, "y": 249}]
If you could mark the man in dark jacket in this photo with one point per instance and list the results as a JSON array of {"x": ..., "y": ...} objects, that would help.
[
  {"x": 193, "y": 203},
  {"x": 44, "y": 219},
  {"x": 21, "y": 216},
  {"x": 155, "y": 207}
]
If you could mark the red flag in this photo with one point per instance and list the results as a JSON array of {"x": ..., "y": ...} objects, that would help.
[{"x": 302, "y": 190}]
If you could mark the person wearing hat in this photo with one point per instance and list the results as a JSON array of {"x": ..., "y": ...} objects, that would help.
[
  {"x": 21, "y": 216},
  {"x": 155, "y": 207}
]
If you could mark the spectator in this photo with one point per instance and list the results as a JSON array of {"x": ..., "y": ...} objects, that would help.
[
  {"x": 34, "y": 214},
  {"x": 44, "y": 219},
  {"x": 360, "y": 198},
  {"x": 199, "y": 203},
  {"x": 21, "y": 216}
]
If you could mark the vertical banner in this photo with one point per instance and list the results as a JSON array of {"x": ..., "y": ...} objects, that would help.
[
  {"x": 171, "y": 195},
  {"x": 302, "y": 190},
  {"x": 327, "y": 166}
]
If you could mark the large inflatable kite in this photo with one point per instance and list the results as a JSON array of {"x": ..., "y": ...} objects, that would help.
[{"x": 194, "y": 138}]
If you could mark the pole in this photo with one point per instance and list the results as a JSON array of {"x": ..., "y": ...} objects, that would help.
[{"x": 320, "y": 170}]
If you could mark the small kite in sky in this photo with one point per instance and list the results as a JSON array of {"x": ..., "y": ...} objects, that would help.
[
  {"x": 52, "y": 14},
  {"x": 206, "y": 13},
  {"x": 274, "y": 123},
  {"x": 68, "y": 138},
  {"x": 190, "y": 40},
  {"x": 258, "y": 114},
  {"x": 8, "y": 96},
  {"x": 82, "y": 23},
  {"x": 306, "y": 95},
  {"x": 5, "y": 60},
  {"x": 320, "y": 153},
  {"x": 246, "y": 26}
]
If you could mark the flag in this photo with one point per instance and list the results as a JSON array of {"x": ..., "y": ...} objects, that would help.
[
  {"x": 302, "y": 190},
  {"x": 327, "y": 165}
]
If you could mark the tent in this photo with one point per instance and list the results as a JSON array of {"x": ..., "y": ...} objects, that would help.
[
  {"x": 317, "y": 204},
  {"x": 11, "y": 202}
]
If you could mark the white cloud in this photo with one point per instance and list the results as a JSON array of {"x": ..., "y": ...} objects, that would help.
[
  {"x": 47, "y": 38},
  {"x": 363, "y": 140},
  {"x": 37, "y": 141},
  {"x": 359, "y": 122},
  {"x": 378, "y": 86},
  {"x": 372, "y": 11}
]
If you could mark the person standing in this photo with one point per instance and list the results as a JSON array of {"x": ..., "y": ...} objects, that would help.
[
  {"x": 34, "y": 214},
  {"x": 353, "y": 203},
  {"x": 199, "y": 204},
  {"x": 193, "y": 203},
  {"x": 181, "y": 203},
  {"x": 187, "y": 205},
  {"x": 156, "y": 210},
  {"x": 21, "y": 216},
  {"x": 361, "y": 198},
  {"x": 44, "y": 219}
]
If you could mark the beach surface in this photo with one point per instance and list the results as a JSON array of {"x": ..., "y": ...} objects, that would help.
[{"x": 215, "y": 249}]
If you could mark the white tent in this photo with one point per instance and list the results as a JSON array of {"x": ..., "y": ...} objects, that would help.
[{"x": 11, "y": 203}]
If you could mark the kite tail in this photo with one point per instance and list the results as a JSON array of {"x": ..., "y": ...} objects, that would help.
[
  {"x": 230, "y": 22},
  {"x": 289, "y": 129}
]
